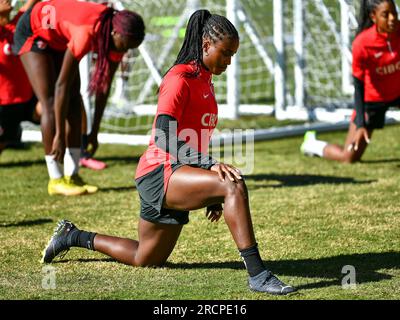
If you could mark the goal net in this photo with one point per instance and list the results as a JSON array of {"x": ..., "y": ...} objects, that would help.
[{"x": 294, "y": 61}]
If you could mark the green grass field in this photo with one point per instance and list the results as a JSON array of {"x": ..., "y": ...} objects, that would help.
[{"x": 312, "y": 217}]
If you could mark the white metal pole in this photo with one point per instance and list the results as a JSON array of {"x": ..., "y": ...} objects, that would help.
[
  {"x": 347, "y": 87},
  {"x": 280, "y": 59},
  {"x": 84, "y": 70},
  {"x": 233, "y": 71},
  {"x": 298, "y": 34}
]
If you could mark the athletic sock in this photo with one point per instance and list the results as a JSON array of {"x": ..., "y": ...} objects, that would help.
[
  {"x": 315, "y": 147},
  {"x": 71, "y": 161},
  {"x": 252, "y": 260},
  {"x": 53, "y": 167},
  {"x": 82, "y": 239}
]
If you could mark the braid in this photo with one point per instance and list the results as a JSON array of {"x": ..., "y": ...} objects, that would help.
[
  {"x": 367, "y": 7},
  {"x": 192, "y": 48},
  {"x": 202, "y": 24},
  {"x": 125, "y": 22},
  {"x": 100, "y": 77}
]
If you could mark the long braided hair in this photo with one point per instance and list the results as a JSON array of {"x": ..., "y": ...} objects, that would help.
[
  {"x": 367, "y": 7},
  {"x": 203, "y": 25},
  {"x": 125, "y": 22}
]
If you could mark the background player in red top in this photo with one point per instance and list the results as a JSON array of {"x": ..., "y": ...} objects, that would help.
[
  {"x": 51, "y": 39},
  {"x": 17, "y": 102},
  {"x": 176, "y": 174},
  {"x": 376, "y": 74}
]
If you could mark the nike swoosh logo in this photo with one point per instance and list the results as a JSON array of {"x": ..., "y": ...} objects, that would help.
[
  {"x": 378, "y": 55},
  {"x": 205, "y": 96}
]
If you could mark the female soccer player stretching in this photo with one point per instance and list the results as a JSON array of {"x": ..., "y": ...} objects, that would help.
[
  {"x": 51, "y": 39},
  {"x": 174, "y": 175},
  {"x": 376, "y": 73}
]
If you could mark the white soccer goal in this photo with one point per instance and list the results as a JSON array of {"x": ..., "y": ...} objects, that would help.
[{"x": 294, "y": 62}]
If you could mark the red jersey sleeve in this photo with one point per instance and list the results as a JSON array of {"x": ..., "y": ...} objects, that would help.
[
  {"x": 173, "y": 96},
  {"x": 359, "y": 59}
]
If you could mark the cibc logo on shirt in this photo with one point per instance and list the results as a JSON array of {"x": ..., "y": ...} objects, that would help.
[
  {"x": 7, "y": 49},
  {"x": 388, "y": 69},
  {"x": 209, "y": 120}
]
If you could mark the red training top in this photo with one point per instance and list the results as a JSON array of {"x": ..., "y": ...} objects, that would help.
[
  {"x": 66, "y": 24},
  {"x": 14, "y": 84},
  {"x": 376, "y": 62},
  {"x": 191, "y": 101}
]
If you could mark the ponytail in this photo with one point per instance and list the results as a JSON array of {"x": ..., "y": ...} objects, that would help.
[{"x": 192, "y": 48}]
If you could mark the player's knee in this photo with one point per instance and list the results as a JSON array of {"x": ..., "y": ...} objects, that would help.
[
  {"x": 237, "y": 189},
  {"x": 351, "y": 158},
  {"x": 47, "y": 106}
]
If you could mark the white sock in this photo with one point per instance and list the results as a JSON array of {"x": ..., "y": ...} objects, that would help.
[
  {"x": 71, "y": 161},
  {"x": 315, "y": 147},
  {"x": 53, "y": 167}
]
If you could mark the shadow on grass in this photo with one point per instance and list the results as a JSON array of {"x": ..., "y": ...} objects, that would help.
[
  {"x": 19, "y": 164},
  {"x": 118, "y": 159},
  {"x": 381, "y": 161},
  {"x": 112, "y": 189},
  {"x": 24, "y": 223},
  {"x": 84, "y": 260},
  {"x": 367, "y": 266},
  {"x": 111, "y": 161},
  {"x": 292, "y": 180}
]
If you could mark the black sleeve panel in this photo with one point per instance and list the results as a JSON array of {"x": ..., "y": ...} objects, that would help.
[
  {"x": 167, "y": 140},
  {"x": 359, "y": 102}
]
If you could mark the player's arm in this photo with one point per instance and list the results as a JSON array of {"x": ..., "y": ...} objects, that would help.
[
  {"x": 359, "y": 105},
  {"x": 359, "y": 66},
  {"x": 69, "y": 72},
  {"x": 100, "y": 105},
  {"x": 166, "y": 139}
]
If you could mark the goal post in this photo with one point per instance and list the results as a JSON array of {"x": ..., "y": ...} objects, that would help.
[{"x": 294, "y": 62}]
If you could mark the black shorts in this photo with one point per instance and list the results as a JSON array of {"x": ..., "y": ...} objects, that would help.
[
  {"x": 375, "y": 113},
  {"x": 12, "y": 115},
  {"x": 23, "y": 37},
  {"x": 151, "y": 192}
]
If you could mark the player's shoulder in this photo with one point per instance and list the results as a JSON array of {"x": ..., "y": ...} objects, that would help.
[
  {"x": 365, "y": 37},
  {"x": 181, "y": 70},
  {"x": 177, "y": 74}
]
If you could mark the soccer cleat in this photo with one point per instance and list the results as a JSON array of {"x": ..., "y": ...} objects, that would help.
[
  {"x": 309, "y": 137},
  {"x": 78, "y": 181},
  {"x": 92, "y": 163},
  {"x": 60, "y": 186},
  {"x": 58, "y": 242},
  {"x": 267, "y": 282}
]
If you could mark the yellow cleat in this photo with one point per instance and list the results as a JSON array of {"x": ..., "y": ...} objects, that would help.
[
  {"x": 60, "y": 186},
  {"x": 78, "y": 181}
]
